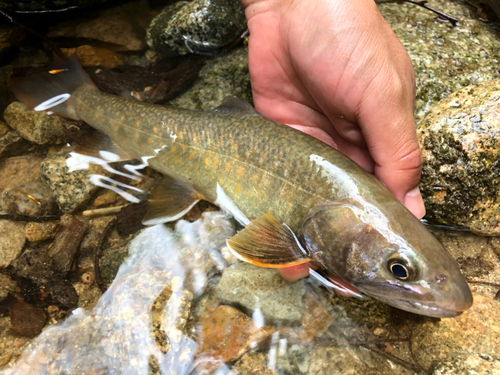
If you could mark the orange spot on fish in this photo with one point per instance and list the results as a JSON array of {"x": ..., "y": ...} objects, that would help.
[
  {"x": 180, "y": 136},
  {"x": 255, "y": 178},
  {"x": 282, "y": 192},
  {"x": 212, "y": 176},
  {"x": 179, "y": 160},
  {"x": 150, "y": 140},
  {"x": 191, "y": 156},
  {"x": 240, "y": 170},
  {"x": 184, "y": 147},
  {"x": 136, "y": 135},
  {"x": 216, "y": 161},
  {"x": 265, "y": 183},
  {"x": 227, "y": 166},
  {"x": 155, "y": 129},
  {"x": 206, "y": 162},
  {"x": 173, "y": 150},
  {"x": 248, "y": 193},
  {"x": 55, "y": 71},
  {"x": 220, "y": 180},
  {"x": 238, "y": 189}
]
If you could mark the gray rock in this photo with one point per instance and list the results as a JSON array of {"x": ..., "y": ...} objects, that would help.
[
  {"x": 262, "y": 288},
  {"x": 34, "y": 126},
  {"x": 199, "y": 26},
  {"x": 445, "y": 58},
  {"x": 35, "y": 265},
  {"x": 459, "y": 138},
  {"x": 12, "y": 240},
  {"x": 219, "y": 78},
  {"x": 19, "y": 200},
  {"x": 70, "y": 189}
]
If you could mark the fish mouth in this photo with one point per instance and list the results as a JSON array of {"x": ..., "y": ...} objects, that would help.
[{"x": 446, "y": 308}]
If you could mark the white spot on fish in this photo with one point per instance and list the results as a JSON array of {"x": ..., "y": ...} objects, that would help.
[
  {"x": 162, "y": 122},
  {"x": 52, "y": 102},
  {"x": 224, "y": 202}
]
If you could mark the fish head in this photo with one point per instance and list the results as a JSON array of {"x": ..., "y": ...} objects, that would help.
[{"x": 388, "y": 255}]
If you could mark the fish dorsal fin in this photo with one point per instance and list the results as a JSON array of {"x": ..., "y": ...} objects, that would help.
[
  {"x": 170, "y": 200},
  {"x": 233, "y": 104},
  {"x": 266, "y": 242},
  {"x": 99, "y": 145}
]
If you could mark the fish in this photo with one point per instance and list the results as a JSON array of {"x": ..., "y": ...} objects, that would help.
[{"x": 297, "y": 198}]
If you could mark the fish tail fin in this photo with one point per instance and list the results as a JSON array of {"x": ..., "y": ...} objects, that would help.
[{"x": 52, "y": 90}]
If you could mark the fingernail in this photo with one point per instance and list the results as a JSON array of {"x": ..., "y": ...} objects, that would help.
[{"x": 415, "y": 203}]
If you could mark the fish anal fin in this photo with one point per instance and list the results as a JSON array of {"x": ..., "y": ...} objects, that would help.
[
  {"x": 170, "y": 200},
  {"x": 233, "y": 104},
  {"x": 266, "y": 242}
]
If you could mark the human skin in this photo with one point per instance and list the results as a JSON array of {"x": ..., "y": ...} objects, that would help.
[{"x": 335, "y": 69}]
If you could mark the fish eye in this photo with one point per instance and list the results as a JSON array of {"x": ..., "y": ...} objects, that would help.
[{"x": 402, "y": 267}]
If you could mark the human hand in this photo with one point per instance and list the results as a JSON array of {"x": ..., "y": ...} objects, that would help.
[{"x": 334, "y": 69}]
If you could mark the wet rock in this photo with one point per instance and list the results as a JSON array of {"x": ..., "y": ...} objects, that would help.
[
  {"x": 41, "y": 5},
  {"x": 219, "y": 78},
  {"x": 199, "y": 26},
  {"x": 264, "y": 289},
  {"x": 70, "y": 189},
  {"x": 4, "y": 129},
  {"x": 10, "y": 35},
  {"x": 62, "y": 294},
  {"x": 252, "y": 363},
  {"x": 110, "y": 262},
  {"x": 461, "y": 173},
  {"x": 121, "y": 27},
  {"x": 10, "y": 143},
  {"x": 34, "y": 199},
  {"x": 35, "y": 265},
  {"x": 69, "y": 233},
  {"x": 487, "y": 9},
  {"x": 94, "y": 56},
  {"x": 12, "y": 240},
  {"x": 316, "y": 319},
  {"x": 461, "y": 341},
  {"x": 226, "y": 333},
  {"x": 36, "y": 232},
  {"x": 8, "y": 286},
  {"x": 34, "y": 126},
  {"x": 445, "y": 58},
  {"x": 19, "y": 170},
  {"x": 26, "y": 320}
]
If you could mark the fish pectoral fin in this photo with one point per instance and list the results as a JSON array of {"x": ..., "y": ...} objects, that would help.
[
  {"x": 99, "y": 145},
  {"x": 233, "y": 104},
  {"x": 170, "y": 200},
  {"x": 266, "y": 242}
]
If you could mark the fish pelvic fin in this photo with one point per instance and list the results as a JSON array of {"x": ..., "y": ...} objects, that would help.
[
  {"x": 52, "y": 90},
  {"x": 170, "y": 200},
  {"x": 266, "y": 242}
]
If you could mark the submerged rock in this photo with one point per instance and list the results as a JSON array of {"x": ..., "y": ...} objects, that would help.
[
  {"x": 34, "y": 199},
  {"x": 12, "y": 240},
  {"x": 219, "y": 78},
  {"x": 34, "y": 126},
  {"x": 459, "y": 138},
  {"x": 263, "y": 289},
  {"x": 70, "y": 189},
  {"x": 445, "y": 58},
  {"x": 26, "y": 320},
  {"x": 461, "y": 342},
  {"x": 199, "y": 26}
]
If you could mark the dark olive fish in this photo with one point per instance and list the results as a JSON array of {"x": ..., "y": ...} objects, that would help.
[{"x": 299, "y": 198}]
